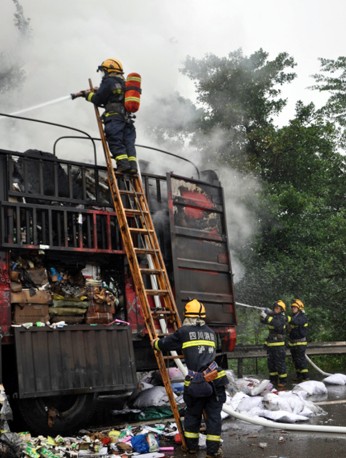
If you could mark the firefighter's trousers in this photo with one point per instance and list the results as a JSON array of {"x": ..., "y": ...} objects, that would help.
[
  {"x": 299, "y": 360},
  {"x": 277, "y": 364},
  {"x": 211, "y": 408},
  {"x": 121, "y": 137}
]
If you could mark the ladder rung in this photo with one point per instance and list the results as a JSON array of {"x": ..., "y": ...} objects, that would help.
[
  {"x": 130, "y": 193},
  {"x": 132, "y": 211},
  {"x": 163, "y": 312},
  {"x": 147, "y": 271},
  {"x": 140, "y": 229},
  {"x": 156, "y": 292},
  {"x": 146, "y": 250},
  {"x": 162, "y": 334},
  {"x": 173, "y": 357}
]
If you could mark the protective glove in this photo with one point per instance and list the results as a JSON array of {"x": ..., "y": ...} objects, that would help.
[
  {"x": 83, "y": 93},
  {"x": 154, "y": 344},
  {"x": 263, "y": 314}
]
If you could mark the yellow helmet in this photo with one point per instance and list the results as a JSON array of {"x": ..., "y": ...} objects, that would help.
[
  {"x": 298, "y": 303},
  {"x": 111, "y": 65},
  {"x": 281, "y": 304},
  {"x": 194, "y": 309}
]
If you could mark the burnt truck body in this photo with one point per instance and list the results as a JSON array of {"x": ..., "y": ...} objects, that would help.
[{"x": 60, "y": 246}]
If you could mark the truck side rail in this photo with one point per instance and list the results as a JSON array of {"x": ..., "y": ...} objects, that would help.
[{"x": 65, "y": 228}]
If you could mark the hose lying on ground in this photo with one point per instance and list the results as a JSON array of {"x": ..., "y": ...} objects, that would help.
[
  {"x": 287, "y": 426},
  {"x": 316, "y": 367}
]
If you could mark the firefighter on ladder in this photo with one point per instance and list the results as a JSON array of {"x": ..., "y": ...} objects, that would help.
[
  {"x": 119, "y": 126},
  {"x": 297, "y": 342},
  {"x": 204, "y": 386},
  {"x": 276, "y": 321}
]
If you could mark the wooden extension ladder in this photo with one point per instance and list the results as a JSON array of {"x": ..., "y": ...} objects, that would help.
[{"x": 145, "y": 260}]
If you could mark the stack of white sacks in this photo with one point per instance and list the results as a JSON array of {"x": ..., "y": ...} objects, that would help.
[
  {"x": 250, "y": 396},
  {"x": 255, "y": 398}
]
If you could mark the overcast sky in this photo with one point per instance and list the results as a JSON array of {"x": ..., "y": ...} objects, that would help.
[{"x": 70, "y": 38}]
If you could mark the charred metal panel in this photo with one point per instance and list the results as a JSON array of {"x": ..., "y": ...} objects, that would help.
[
  {"x": 62, "y": 228},
  {"x": 201, "y": 259},
  {"x": 74, "y": 360}
]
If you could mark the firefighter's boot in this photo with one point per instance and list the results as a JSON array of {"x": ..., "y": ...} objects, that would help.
[
  {"x": 188, "y": 450},
  {"x": 133, "y": 167},
  {"x": 219, "y": 454},
  {"x": 123, "y": 166}
]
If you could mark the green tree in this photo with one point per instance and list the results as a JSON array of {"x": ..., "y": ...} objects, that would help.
[
  {"x": 12, "y": 74},
  {"x": 332, "y": 80},
  {"x": 300, "y": 250},
  {"x": 238, "y": 97}
]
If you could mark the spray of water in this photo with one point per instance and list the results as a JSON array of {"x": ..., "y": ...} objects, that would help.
[
  {"x": 41, "y": 105},
  {"x": 250, "y": 306}
]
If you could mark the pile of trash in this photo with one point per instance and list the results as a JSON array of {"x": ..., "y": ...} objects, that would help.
[
  {"x": 131, "y": 441},
  {"x": 60, "y": 294},
  {"x": 249, "y": 396}
]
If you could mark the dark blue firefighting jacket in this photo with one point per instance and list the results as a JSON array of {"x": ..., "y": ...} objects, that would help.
[
  {"x": 110, "y": 95},
  {"x": 198, "y": 344},
  {"x": 276, "y": 323},
  {"x": 298, "y": 325}
]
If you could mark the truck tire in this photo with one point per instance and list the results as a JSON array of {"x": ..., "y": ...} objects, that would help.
[{"x": 58, "y": 414}]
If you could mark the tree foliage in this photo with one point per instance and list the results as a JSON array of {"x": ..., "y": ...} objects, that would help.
[
  {"x": 237, "y": 96},
  {"x": 300, "y": 249},
  {"x": 12, "y": 73},
  {"x": 332, "y": 80}
]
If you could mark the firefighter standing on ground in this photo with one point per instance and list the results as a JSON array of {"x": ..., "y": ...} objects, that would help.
[
  {"x": 119, "y": 126},
  {"x": 198, "y": 344},
  {"x": 297, "y": 342},
  {"x": 276, "y": 321}
]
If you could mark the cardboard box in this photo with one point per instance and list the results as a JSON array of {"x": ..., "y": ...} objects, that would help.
[
  {"x": 99, "y": 318},
  {"x": 30, "y": 313},
  {"x": 25, "y": 297},
  {"x": 16, "y": 287},
  {"x": 101, "y": 308}
]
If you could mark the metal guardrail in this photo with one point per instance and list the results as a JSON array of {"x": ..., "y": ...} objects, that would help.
[{"x": 242, "y": 352}]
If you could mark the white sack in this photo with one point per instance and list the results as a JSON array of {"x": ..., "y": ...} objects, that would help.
[
  {"x": 235, "y": 400},
  {"x": 252, "y": 386},
  {"x": 273, "y": 402},
  {"x": 335, "y": 379},
  {"x": 296, "y": 403},
  {"x": 155, "y": 396},
  {"x": 312, "y": 387},
  {"x": 261, "y": 387},
  {"x": 248, "y": 403}
]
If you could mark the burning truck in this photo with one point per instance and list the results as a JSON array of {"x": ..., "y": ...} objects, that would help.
[{"x": 72, "y": 330}]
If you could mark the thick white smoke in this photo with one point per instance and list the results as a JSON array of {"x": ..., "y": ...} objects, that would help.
[{"x": 69, "y": 39}]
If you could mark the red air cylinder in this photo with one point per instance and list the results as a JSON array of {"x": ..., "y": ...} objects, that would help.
[{"x": 133, "y": 92}]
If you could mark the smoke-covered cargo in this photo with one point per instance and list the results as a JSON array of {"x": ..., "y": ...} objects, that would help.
[{"x": 72, "y": 326}]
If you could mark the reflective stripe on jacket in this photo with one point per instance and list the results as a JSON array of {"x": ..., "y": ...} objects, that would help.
[
  {"x": 198, "y": 344},
  {"x": 298, "y": 326},
  {"x": 276, "y": 324},
  {"x": 110, "y": 95}
]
